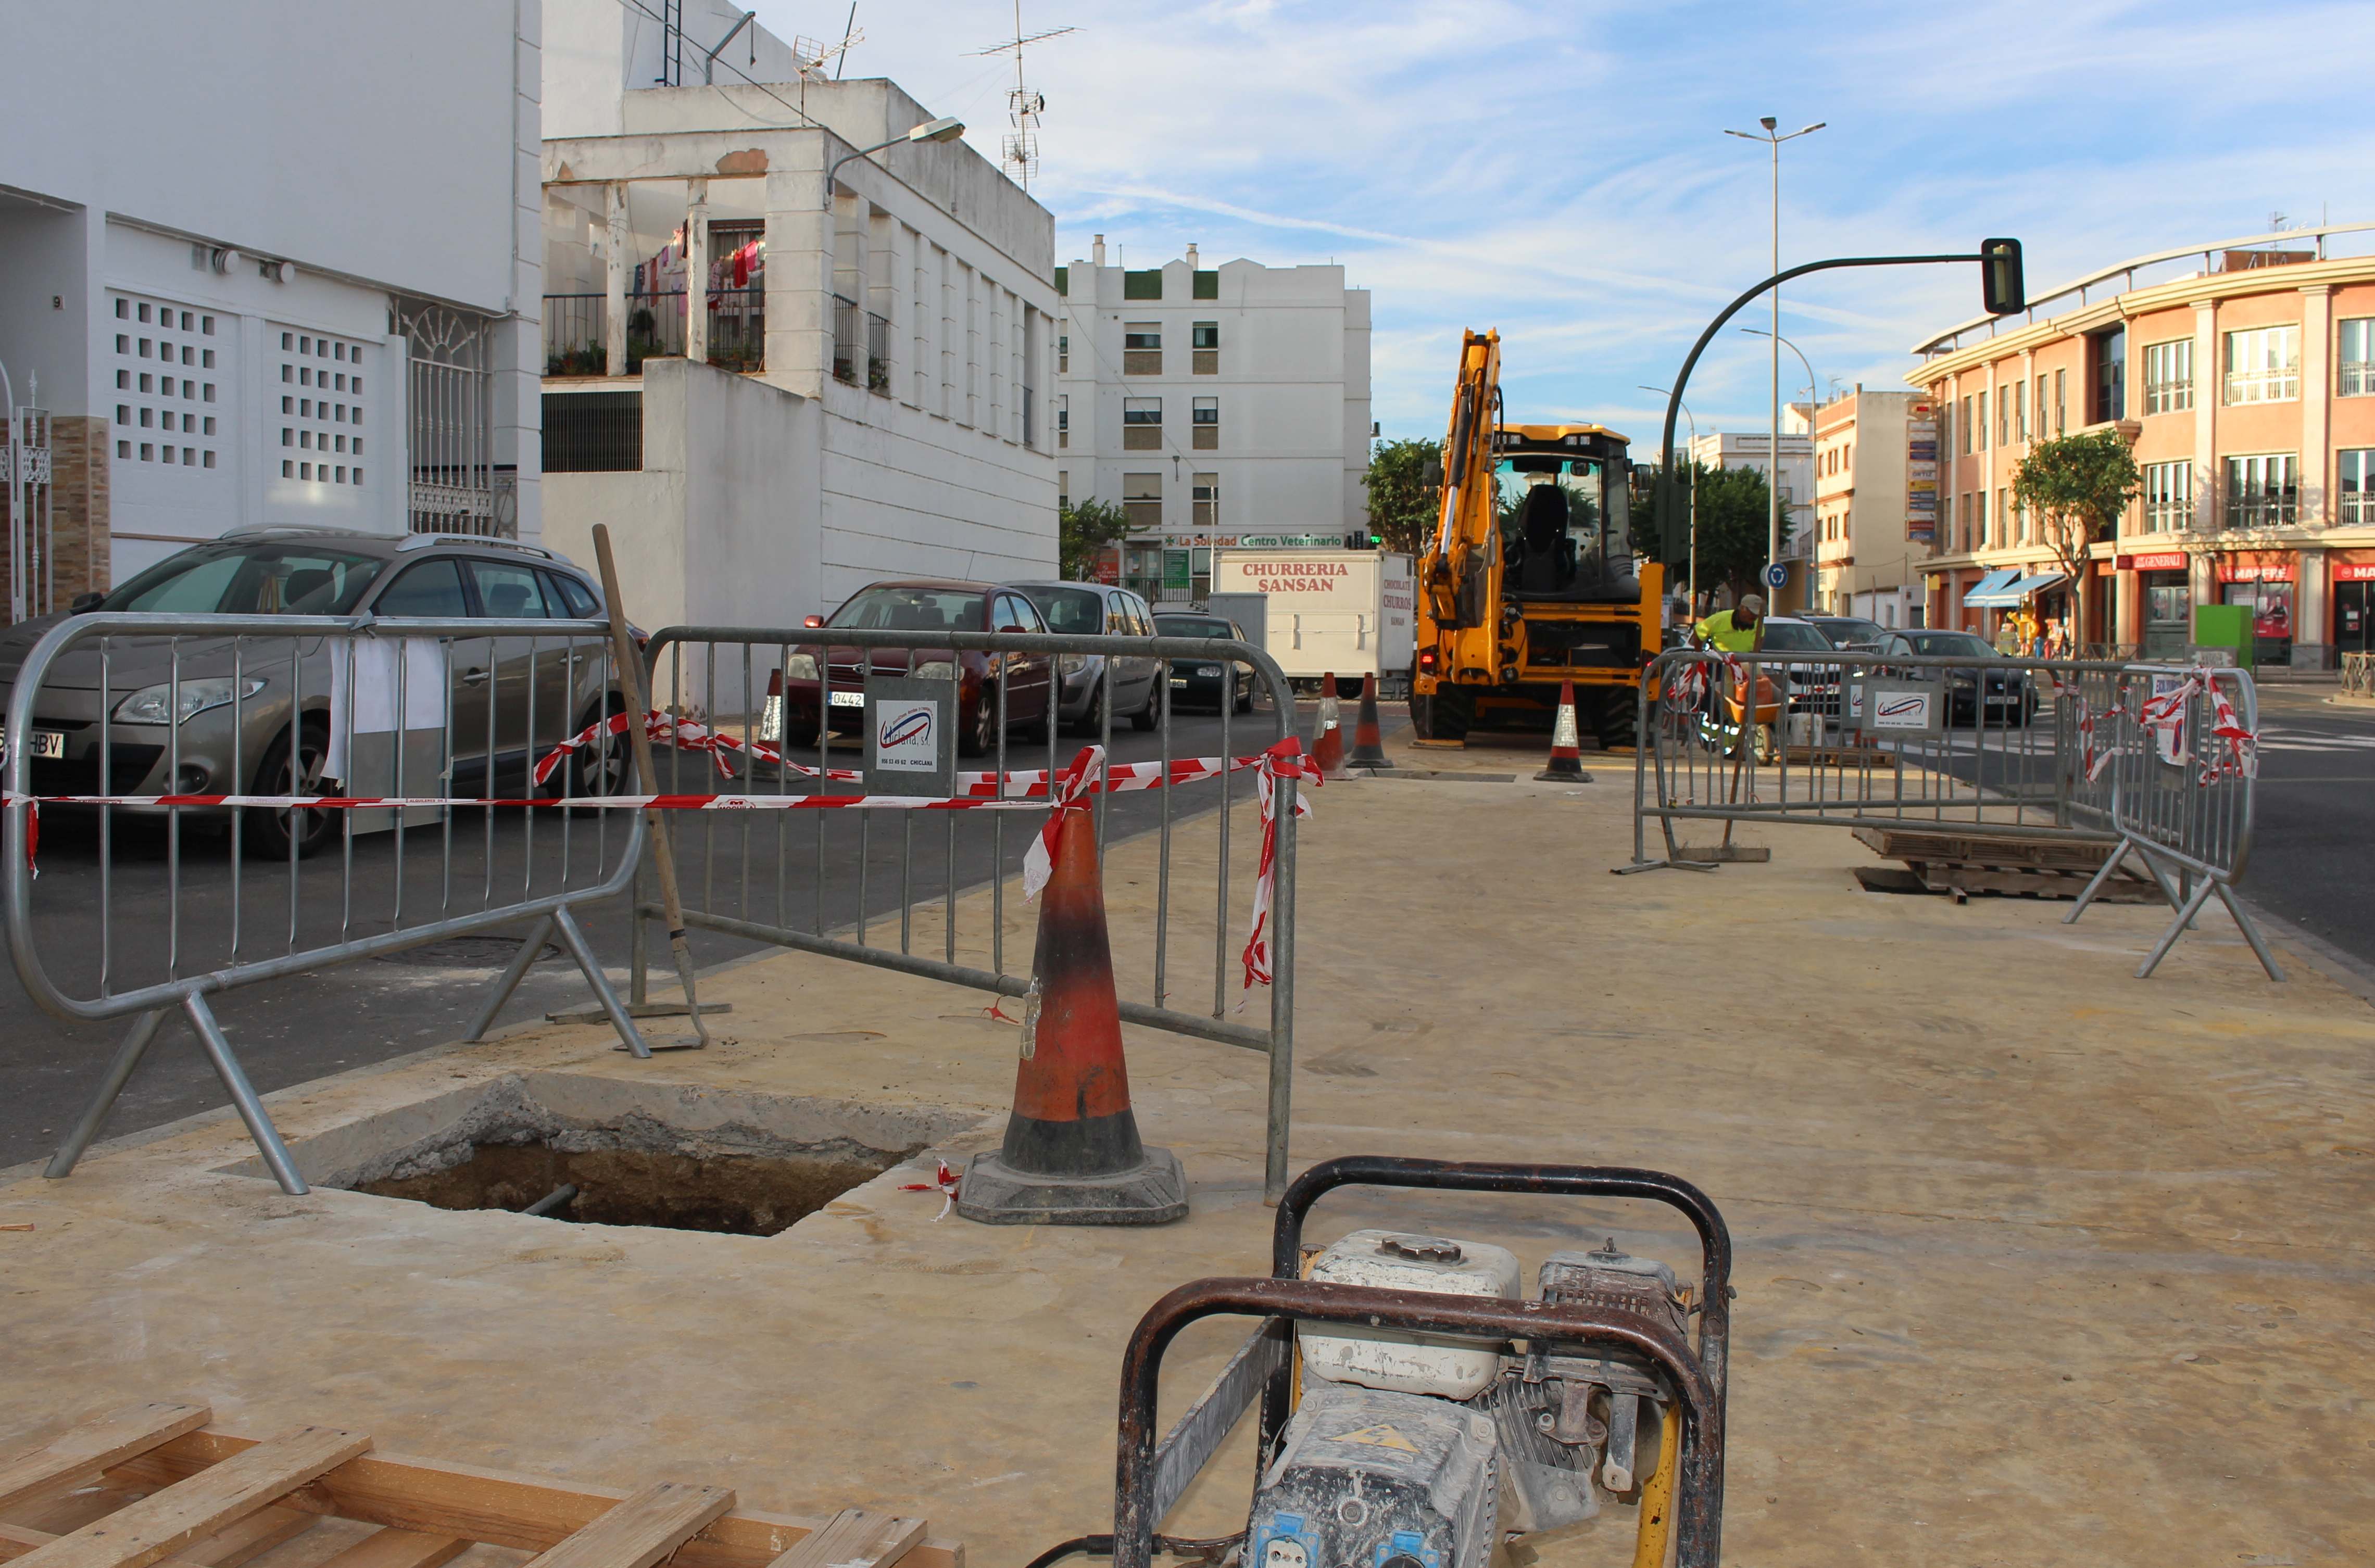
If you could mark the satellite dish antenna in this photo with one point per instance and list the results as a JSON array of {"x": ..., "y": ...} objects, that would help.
[{"x": 1019, "y": 153}]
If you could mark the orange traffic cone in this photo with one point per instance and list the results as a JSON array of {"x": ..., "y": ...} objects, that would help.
[
  {"x": 1072, "y": 1154},
  {"x": 1327, "y": 744},
  {"x": 1566, "y": 746},
  {"x": 1369, "y": 739}
]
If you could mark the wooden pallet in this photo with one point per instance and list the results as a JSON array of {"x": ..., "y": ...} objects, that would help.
[
  {"x": 170, "y": 1489},
  {"x": 1941, "y": 861}
]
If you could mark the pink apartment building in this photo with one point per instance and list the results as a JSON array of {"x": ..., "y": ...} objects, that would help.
[{"x": 2245, "y": 385}]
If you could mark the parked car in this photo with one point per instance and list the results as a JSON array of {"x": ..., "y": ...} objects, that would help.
[
  {"x": 2010, "y": 695},
  {"x": 1814, "y": 688},
  {"x": 1849, "y": 630},
  {"x": 924, "y": 605},
  {"x": 1099, "y": 609},
  {"x": 1202, "y": 683},
  {"x": 280, "y": 742}
]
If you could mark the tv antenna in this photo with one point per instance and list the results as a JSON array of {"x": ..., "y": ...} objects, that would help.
[{"x": 1019, "y": 154}]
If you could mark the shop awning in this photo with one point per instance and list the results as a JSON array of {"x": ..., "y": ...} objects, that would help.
[
  {"x": 1986, "y": 593},
  {"x": 2038, "y": 583}
]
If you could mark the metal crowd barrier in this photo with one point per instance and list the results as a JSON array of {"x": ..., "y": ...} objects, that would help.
[
  {"x": 874, "y": 884},
  {"x": 157, "y": 905},
  {"x": 2358, "y": 675},
  {"x": 2171, "y": 769},
  {"x": 2154, "y": 760},
  {"x": 1845, "y": 738}
]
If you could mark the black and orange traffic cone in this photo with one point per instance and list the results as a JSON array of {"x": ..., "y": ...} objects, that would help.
[
  {"x": 1567, "y": 744},
  {"x": 1369, "y": 739},
  {"x": 1072, "y": 1154},
  {"x": 1328, "y": 738}
]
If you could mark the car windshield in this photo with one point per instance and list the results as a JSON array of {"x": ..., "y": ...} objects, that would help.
[
  {"x": 259, "y": 579},
  {"x": 1949, "y": 644},
  {"x": 1794, "y": 637},
  {"x": 899, "y": 608},
  {"x": 1080, "y": 611},
  {"x": 1191, "y": 626},
  {"x": 1842, "y": 630}
]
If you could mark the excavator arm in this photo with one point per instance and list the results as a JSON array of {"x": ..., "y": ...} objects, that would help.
[{"x": 1461, "y": 566}]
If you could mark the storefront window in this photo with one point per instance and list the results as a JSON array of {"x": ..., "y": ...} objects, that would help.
[
  {"x": 2271, "y": 605},
  {"x": 2168, "y": 615}
]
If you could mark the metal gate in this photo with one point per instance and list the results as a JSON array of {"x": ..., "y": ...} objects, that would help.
[
  {"x": 450, "y": 422},
  {"x": 26, "y": 462}
]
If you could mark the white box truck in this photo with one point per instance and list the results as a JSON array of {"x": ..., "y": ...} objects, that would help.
[{"x": 1349, "y": 611}]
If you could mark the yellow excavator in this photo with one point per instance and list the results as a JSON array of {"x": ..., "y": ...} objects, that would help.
[{"x": 1530, "y": 579}]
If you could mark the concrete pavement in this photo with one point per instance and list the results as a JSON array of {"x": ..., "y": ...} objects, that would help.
[{"x": 2038, "y": 1263}]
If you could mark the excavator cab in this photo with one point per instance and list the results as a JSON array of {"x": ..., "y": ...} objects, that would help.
[{"x": 1560, "y": 518}]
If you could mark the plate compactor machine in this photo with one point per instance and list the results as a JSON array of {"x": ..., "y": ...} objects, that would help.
[{"x": 1418, "y": 1408}]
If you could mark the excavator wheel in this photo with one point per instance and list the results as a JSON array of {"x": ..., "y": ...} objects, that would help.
[
  {"x": 1616, "y": 720},
  {"x": 1443, "y": 714}
]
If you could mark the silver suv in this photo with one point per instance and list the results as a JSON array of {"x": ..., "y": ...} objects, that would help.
[
  {"x": 279, "y": 746},
  {"x": 1098, "y": 610}
]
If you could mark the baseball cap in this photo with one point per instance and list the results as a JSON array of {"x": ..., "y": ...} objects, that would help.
[{"x": 1753, "y": 602}]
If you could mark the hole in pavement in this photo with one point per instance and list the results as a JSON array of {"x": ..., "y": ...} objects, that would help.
[
  {"x": 740, "y": 1194},
  {"x": 649, "y": 1152}
]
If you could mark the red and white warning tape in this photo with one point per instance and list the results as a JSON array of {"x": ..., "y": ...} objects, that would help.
[
  {"x": 1086, "y": 775},
  {"x": 945, "y": 1183},
  {"x": 2092, "y": 759}
]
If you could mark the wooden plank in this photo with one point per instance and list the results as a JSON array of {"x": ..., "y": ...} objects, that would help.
[
  {"x": 856, "y": 1539},
  {"x": 500, "y": 1507},
  {"x": 76, "y": 1457},
  {"x": 163, "y": 1522},
  {"x": 393, "y": 1548},
  {"x": 249, "y": 1539},
  {"x": 644, "y": 1528}
]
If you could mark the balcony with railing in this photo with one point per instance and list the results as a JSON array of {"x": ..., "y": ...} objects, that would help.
[
  {"x": 846, "y": 349},
  {"x": 2281, "y": 385},
  {"x": 576, "y": 331},
  {"x": 2357, "y": 380}
]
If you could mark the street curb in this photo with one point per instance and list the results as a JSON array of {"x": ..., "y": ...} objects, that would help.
[{"x": 2354, "y": 975}]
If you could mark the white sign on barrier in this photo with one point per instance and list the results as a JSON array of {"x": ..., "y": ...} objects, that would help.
[{"x": 1901, "y": 710}]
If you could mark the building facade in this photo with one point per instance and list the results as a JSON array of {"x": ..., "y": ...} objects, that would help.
[
  {"x": 860, "y": 359},
  {"x": 1220, "y": 406},
  {"x": 258, "y": 266},
  {"x": 1875, "y": 482},
  {"x": 1753, "y": 449},
  {"x": 2244, "y": 379}
]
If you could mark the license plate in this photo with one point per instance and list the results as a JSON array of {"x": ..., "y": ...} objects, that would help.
[
  {"x": 849, "y": 699},
  {"x": 1179, "y": 681},
  {"x": 46, "y": 743}
]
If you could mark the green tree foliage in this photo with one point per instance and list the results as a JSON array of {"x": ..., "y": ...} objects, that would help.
[
  {"x": 1403, "y": 502},
  {"x": 1733, "y": 509},
  {"x": 2074, "y": 489},
  {"x": 1083, "y": 529}
]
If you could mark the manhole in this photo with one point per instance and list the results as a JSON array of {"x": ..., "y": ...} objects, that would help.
[
  {"x": 468, "y": 952},
  {"x": 639, "y": 1151},
  {"x": 733, "y": 1195}
]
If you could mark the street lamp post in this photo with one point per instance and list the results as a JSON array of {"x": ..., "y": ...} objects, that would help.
[
  {"x": 940, "y": 130},
  {"x": 1665, "y": 392},
  {"x": 1814, "y": 394},
  {"x": 1773, "y": 453}
]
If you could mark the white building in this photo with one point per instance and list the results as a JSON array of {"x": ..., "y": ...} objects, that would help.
[
  {"x": 1753, "y": 449},
  {"x": 1875, "y": 502},
  {"x": 271, "y": 263},
  {"x": 1220, "y": 406},
  {"x": 860, "y": 390}
]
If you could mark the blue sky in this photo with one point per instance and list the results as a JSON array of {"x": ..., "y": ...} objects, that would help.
[{"x": 1559, "y": 171}]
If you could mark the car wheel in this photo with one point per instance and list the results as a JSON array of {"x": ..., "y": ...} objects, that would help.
[
  {"x": 293, "y": 765},
  {"x": 1244, "y": 693},
  {"x": 1092, "y": 719},
  {"x": 979, "y": 735},
  {"x": 604, "y": 766},
  {"x": 1149, "y": 715}
]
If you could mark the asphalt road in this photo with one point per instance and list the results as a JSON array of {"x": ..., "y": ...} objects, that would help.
[
  {"x": 2313, "y": 853},
  {"x": 305, "y": 1026}
]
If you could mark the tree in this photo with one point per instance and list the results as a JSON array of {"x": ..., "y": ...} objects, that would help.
[
  {"x": 1403, "y": 502},
  {"x": 2077, "y": 487},
  {"x": 1732, "y": 513},
  {"x": 1083, "y": 529}
]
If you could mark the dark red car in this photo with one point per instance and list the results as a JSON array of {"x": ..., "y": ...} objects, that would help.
[{"x": 919, "y": 605}]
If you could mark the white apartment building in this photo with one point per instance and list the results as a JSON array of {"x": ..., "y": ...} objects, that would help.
[
  {"x": 267, "y": 263},
  {"x": 1227, "y": 406},
  {"x": 777, "y": 371},
  {"x": 1875, "y": 503},
  {"x": 1753, "y": 449}
]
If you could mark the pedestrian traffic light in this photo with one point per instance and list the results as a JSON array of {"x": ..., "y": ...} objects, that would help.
[{"x": 2002, "y": 290}]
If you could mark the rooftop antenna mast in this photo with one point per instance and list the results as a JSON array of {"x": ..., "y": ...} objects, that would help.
[
  {"x": 811, "y": 56},
  {"x": 1019, "y": 155}
]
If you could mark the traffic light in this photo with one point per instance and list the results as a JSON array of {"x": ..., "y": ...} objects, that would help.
[
  {"x": 1363, "y": 541},
  {"x": 2002, "y": 293}
]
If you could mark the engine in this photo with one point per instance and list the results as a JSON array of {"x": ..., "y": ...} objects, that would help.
[{"x": 1419, "y": 1451}]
